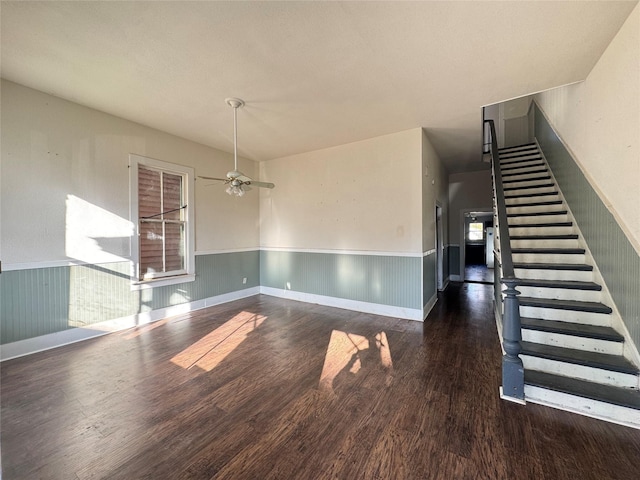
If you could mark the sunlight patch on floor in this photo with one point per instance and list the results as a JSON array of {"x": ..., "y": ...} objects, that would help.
[
  {"x": 210, "y": 350},
  {"x": 350, "y": 353}
]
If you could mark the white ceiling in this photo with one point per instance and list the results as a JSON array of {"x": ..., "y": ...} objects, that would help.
[{"x": 313, "y": 74}]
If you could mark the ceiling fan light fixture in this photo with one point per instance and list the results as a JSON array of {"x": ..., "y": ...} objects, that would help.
[{"x": 235, "y": 190}]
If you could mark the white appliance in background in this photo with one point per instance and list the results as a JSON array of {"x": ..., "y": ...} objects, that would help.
[{"x": 489, "y": 248}]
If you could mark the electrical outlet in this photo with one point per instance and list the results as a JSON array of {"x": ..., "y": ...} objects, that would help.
[{"x": 244, "y": 281}]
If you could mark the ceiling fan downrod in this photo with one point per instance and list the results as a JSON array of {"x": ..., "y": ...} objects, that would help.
[{"x": 235, "y": 103}]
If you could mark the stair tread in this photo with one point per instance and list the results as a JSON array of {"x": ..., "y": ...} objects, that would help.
[
  {"x": 518, "y": 153},
  {"x": 576, "y": 305},
  {"x": 568, "y": 236},
  {"x": 536, "y": 163},
  {"x": 529, "y": 187},
  {"x": 506, "y": 156},
  {"x": 536, "y": 204},
  {"x": 604, "y": 361},
  {"x": 526, "y": 195},
  {"x": 511, "y": 161},
  {"x": 532, "y": 179},
  {"x": 554, "y": 266},
  {"x": 541, "y": 225},
  {"x": 568, "y": 251},
  {"x": 575, "y": 329},
  {"x": 515, "y": 147},
  {"x": 537, "y": 214},
  {"x": 540, "y": 170},
  {"x": 566, "y": 284},
  {"x": 623, "y": 397}
]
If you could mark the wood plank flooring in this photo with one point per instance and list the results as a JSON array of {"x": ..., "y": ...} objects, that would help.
[{"x": 264, "y": 388}]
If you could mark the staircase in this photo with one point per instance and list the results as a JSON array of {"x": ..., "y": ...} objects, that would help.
[{"x": 574, "y": 349}]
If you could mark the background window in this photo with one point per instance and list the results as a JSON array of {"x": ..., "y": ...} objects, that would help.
[
  {"x": 164, "y": 216},
  {"x": 476, "y": 231},
  {"x": 161, "y": 223}
]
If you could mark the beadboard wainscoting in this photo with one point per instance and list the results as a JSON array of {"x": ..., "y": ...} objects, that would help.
[
  {"x": 429, "y": 281},
  {"x": 55, "y": 305},
  {"x": 47, "y": 307},
  {"x": 380, "y": 283},
  {"x": 453, "y": 256}
]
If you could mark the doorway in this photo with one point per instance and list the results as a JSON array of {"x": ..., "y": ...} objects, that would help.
[{"x": 478, "y": 247}]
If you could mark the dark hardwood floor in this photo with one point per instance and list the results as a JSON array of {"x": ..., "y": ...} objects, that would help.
[
  {"x": 478, "y": 274},
  {"x": 264, "y": 388}
]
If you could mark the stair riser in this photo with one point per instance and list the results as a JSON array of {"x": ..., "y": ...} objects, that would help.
[
  {"x": 535, "y": 209},
  {"x": 523, "y": 169},
  {"x": 544, "y": 274},
  {"x": 516, "y": 201},
  {"x": 592, "y": 408},
  {"x": 548, "y": 258},
  {"x": 570, "y": 341},
  {"x": 527, "y": 191},
  {"x": 517, "y": 148},
  {"x": 527, "y": 184},
  {"x": 591, "y": 374},
  {"x": 561, "y": 293},
  {"x": 508, "y": 159},
  {"x": 589, "y": 318},
  {"x": 536, "y": 219},
  {"x": 546, "y": 243},
  {"x": 524, "y": 230},
  {"x": 509, "y": 177}
]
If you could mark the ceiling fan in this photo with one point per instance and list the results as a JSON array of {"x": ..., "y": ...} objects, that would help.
[{"x": 238, "y": 183}]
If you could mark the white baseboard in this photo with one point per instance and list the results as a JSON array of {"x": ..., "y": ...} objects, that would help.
[
  {"x": 78, "y": 334},
  {"x": 358, "y": 306},
  {"x": 455, "y": 278}
]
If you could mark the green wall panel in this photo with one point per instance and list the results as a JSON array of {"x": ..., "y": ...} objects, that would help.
[
  {"x": 454, "y": 259},
  {"x": 34, "y": 302},
  {"x": 445, "y": 263},
  {"x": 385, "y": 280},
  {"x": 616, "y": 258},
  {"x": 429, "y": 277},
  {"x": 46, "y": 300}
]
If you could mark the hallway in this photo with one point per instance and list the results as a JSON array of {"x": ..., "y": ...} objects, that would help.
[{"x": 275, "y": 389}]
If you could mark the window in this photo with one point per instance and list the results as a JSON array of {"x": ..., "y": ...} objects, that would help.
[
  {"x": 162, "y": 209},
  {"x": 475, "y": 232}
]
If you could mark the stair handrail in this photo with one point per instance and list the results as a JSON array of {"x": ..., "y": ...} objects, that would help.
[{"x": 512, "y": 367}]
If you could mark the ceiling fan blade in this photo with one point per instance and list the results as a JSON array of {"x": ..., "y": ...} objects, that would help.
[
  {"x": 213, "y": 178},
  {"x": 261, "y": 184}
]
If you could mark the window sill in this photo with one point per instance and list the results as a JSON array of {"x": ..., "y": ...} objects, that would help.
[{"x": 162, "y": 282}]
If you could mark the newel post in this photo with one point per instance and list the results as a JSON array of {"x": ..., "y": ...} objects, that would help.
[{"x": 512, "y": 369}]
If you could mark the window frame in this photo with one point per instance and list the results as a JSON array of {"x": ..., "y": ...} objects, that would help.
[{"x": 188, "y": 183}]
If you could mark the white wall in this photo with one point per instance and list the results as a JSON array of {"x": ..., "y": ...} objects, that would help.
[
  {"x": 362, "y": 196},
  {"x": 435, "y": 188},
  {"x": 65, "y": 174},
  {"x": 599, "y": 121}
]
